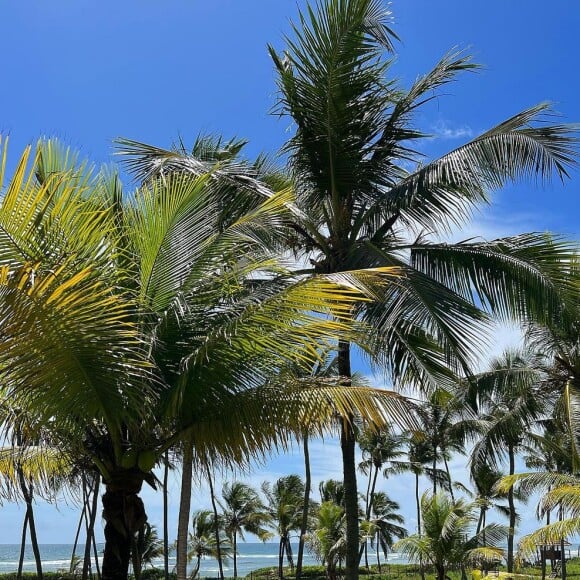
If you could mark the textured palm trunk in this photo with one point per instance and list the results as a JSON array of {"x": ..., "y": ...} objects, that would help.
[
  {"x": 77, "y": 535},
  {"x": 512, "y": 509},
  {"x": 184, "y": 509},
  {"x": 562, "y": 548},
  {"x": 165, "y": 516},
  {"x": 124, "y": 515},
  {"x": 305, "y": 508},
  {"x": 379, "y": 553},
  {"x": 347, "y": 444}
]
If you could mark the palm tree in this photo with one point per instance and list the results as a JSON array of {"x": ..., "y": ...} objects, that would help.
[
  {"x": 511, "y": 401},
  {"x": 387, "y": 523},
  {"x": 285, "y": 499},
  {"x": 151, "y": 320},
  {"x": 243, "y": 512},
  {"x": 332, "y": 490},
  {"x": 328, "y": 540},
  {"x": 202, "y": 541},
  {"x": 379, "y": 447},
  {"x": 358, "y": 206},
  {"x": 447, "y": 536}
]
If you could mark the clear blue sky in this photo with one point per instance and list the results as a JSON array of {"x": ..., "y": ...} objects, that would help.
[{"x": 88, "y": 72}]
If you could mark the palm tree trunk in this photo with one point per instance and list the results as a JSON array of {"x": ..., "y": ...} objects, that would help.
[
  {"x": 289, "y": 555},
  {"x": 27, "y": 492},
  {"x": 281, "y": 558},
  {"x": 512, "y": 509},
  {"x": 96, "y": 555},
  {"x": 449, "y": 478},
  {"x": 184, "y": 509},
  {"x": 347, "y": 444},
  {"x": 419, "y": 520},
  {"x": 235, "y": 547},
  {"x": 165, "y": 516},
  {"x": 379, "y": 554},
  {"x": 87, "y": 553},
  {"x": 218, "y": 545},
  {"x": 305, "y": 508},
  {"x": 562, "y": 548},
  {"x": 434, "y": 469},
  {"x": 480, "y": 520},
  {"x": 22, "y": 546},
  {"x": 91, "y": 526},
  {"x": 77, "y": 535},
  {"x": 124, "y": 515}
]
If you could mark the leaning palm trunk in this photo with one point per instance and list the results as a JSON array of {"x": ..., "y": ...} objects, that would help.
[
  {"x": 218, "y": 547},
  {"x": 91, "y": 526},
  {"x": 22, "y": 546},
  {"x": 28, "y": 494},
  {"x": 184, "y": 509},
  {"x": 305, "y": 507}
]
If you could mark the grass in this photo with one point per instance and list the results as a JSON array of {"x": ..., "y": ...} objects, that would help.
[{"x": 389, "y": 572}]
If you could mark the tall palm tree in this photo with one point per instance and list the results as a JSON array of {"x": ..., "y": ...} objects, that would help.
[
  {"x": 152, "y": 319},
  {"x": 510, "y": 400},
  {"x": 243, "y": 512},
  {"x": 448, "y": 537},
  {"x": 360, "y": 207},
  {"x": 285, "y": 499}
]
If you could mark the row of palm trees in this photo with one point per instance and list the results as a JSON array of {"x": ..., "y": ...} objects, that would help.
[{"x": 190, "y": 314}]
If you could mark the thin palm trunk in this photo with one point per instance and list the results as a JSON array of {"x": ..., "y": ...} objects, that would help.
[
  {"x": 27, "y": 492},
  {"x": 184, "y": 509},
  {"x": 166, "y": 516},
  {"x": 347, "y": 444},
  {"x": 305, "y": 508},
  {"x": 235, "y": 547},
  {"x": 512, "y": 509},
  {"x": 91, "y": 526},
  {"x": 22, "y": 546},
  {"x": 87, "y": 552},
  {"x": 281, "y": 558},
  {"x": 96, "y": 555},
  {"x": 562, "y": 549},
  {"x": 218, "y": 545},
  {"x": 77, "y": 535},
  {"x": 449, "y": 478},
  {"x": 434, "y": 469},
  {"x": 378, "y": 554},
  {"x": 289, "y": 554},
  {"x": 419, "y": 519}
]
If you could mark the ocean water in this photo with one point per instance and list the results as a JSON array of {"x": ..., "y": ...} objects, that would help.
[{"x": 252, "y": 555}]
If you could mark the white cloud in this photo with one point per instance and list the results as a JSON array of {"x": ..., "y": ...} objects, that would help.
[{"x": 446, "y": 130}]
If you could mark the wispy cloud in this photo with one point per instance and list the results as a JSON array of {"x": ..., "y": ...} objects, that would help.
[{"x": 446, "y": 130}]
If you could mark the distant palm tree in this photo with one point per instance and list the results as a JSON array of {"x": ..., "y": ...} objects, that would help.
[
  {"x": 510, "y": 401},
  {"x": 285, "y": 499},
  {"x": 379, "y": 447},
  {"x": 202, "y": 541},
  {"x": 243, "y": 512},
  {"x": 448, "y": 538},
  {"x": 328, "y": 538},
  {"x": 387, "y": 522},
  {"x": 332, "y": 490}
]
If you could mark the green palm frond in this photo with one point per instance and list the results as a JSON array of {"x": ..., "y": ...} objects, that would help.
[{"x": 549, "y": 535}]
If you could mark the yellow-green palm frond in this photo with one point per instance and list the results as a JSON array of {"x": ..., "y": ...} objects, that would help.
[
  {"x": 549, "y": 535},
  {"x": 534, "y": 481},
  {"x": 567, "y": 497}
]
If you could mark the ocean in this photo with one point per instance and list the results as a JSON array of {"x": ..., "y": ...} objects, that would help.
[{"x": 252, "y": 555}]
